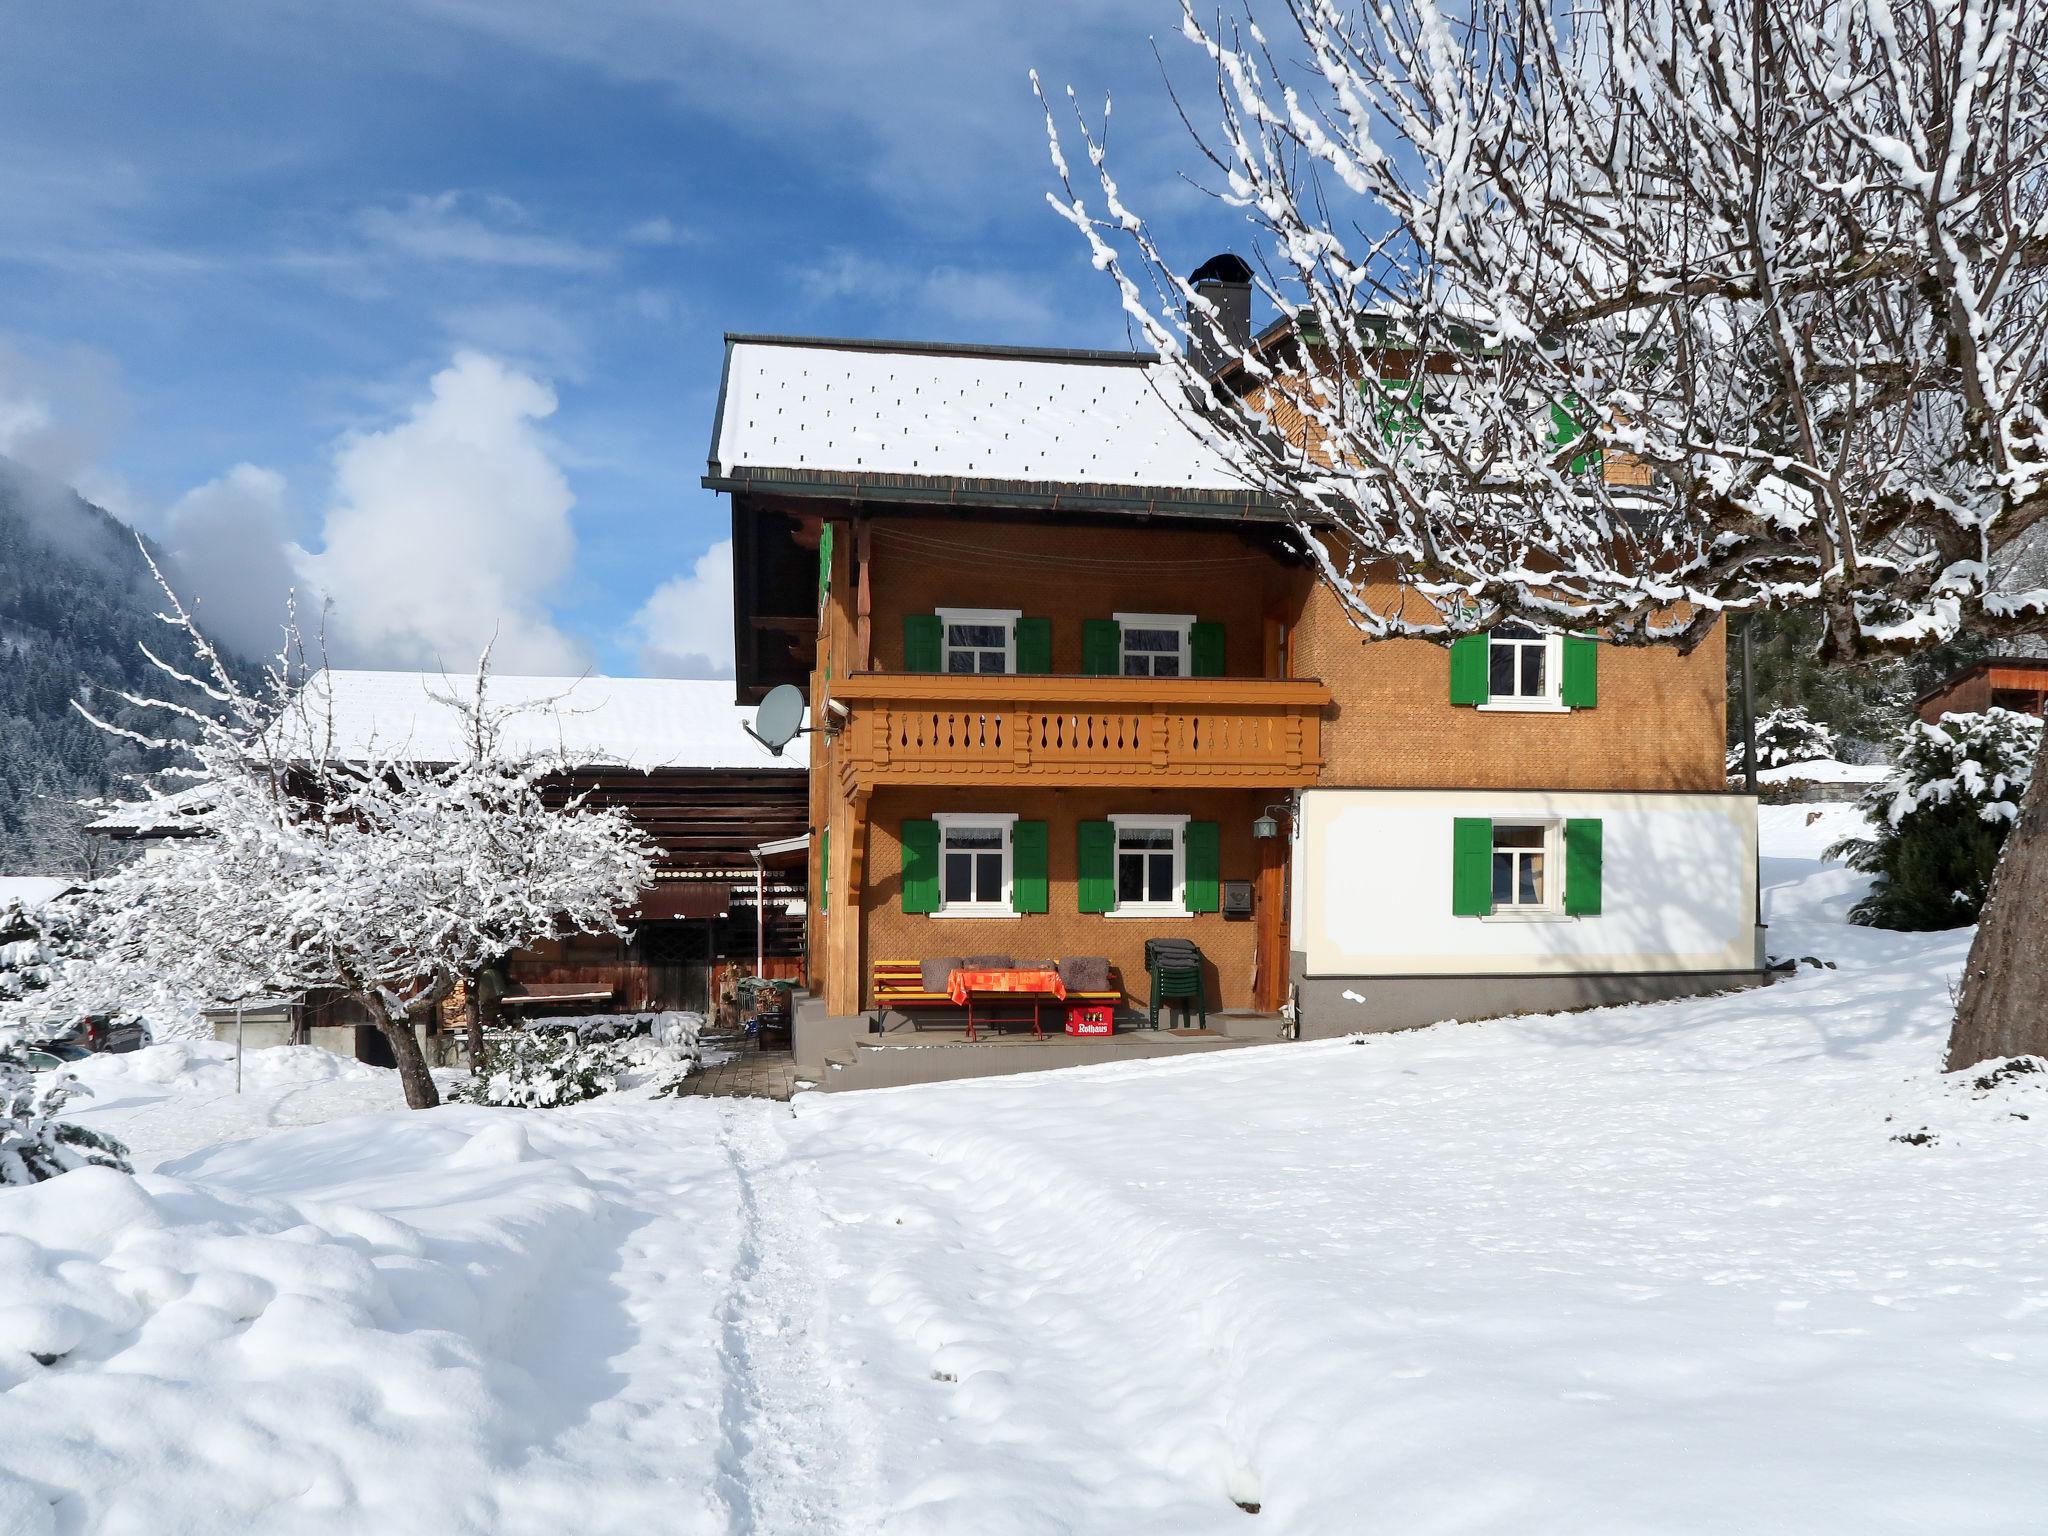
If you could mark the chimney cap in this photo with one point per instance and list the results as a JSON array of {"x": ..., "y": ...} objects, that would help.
[{"x": 1226, "y": 268}]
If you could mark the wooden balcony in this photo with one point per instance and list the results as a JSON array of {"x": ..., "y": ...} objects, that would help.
[{"x": 1213, "y": 732}]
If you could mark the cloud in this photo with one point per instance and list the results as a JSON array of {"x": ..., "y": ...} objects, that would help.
[
  {"x": 233, "y": 562},
  {"x": 450, "y": 529},
  {"x": 478, "y": 229},
  {"x": 993, "y": 302},
  {"x": 657, "y": 231},
  {"x": 685, "y": 628},
  {"x": 60, "y": 411}
]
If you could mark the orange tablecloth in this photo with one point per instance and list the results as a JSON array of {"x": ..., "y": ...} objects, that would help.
[{"x": 1043, "y": 982}]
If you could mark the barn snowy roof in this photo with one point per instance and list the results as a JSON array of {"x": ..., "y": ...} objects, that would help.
[
  {"x": 636, "y": 722},
  {"x": 919, "y": 421}
]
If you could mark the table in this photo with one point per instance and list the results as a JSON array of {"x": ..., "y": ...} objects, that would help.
[{"x": 982, "y": 994}]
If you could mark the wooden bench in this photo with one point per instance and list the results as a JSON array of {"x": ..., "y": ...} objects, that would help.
[
  {"x": 556, "y": 994},
  {"x": 899, "y": 984}
]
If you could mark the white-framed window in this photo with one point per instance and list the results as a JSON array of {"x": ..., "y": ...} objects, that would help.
[
  {"x": 1524, "y": 668},
  {"x": 978, "y": 640},
  {"x": 1528, "y": 875},
  {"x": 1153, "y": 644},
  {"x": 1151, "y": 866},
  {"x": 974, "y": 864}
]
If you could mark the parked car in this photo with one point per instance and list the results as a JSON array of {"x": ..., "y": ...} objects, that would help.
[{"x": 49, "y": 1055}]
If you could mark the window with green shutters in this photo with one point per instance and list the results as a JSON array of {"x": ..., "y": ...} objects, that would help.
[
  {"x": 1029, "y": 887},
  {"x": 1515, "y": 667},
  {"x": 920, "y": 866},
  {"x": 1513, "y": 866}
]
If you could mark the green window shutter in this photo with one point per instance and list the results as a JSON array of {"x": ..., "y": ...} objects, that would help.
[
  {"x": 1579, "y": 687},
  {"x": 920, "y": 866},
  {"x": 1034, "y": 646},
  {"x": 1468, "y": 669},
  {"x": 1582, "y": 867},
  {"x": 1096, "y": 844},
  {"x": 1205, "y": 866},
  {"x": 1205, "y": 650},
  {"x": 1028, "y": 885},
  {"x": 825, "y": 562},
  {"x": 1101, "y": 642},
  {"x": 1471, "y": 866},
  {"x": 1566, "y": 429},
  {"x": 825, "y": 870},
  {"x": 923, "y": 642},
  {"x": 1398, "y": 409}
]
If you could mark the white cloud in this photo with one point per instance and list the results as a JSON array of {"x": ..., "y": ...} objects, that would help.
[
  {"x": 478, "y": 229},
  {"x": 451, "y": 529},
  {"x": 232, "y": 561},
  {"x": 659, "y": 230},
  {"x": 685, "y": 628},
  {"x": 60, "y": 410}
]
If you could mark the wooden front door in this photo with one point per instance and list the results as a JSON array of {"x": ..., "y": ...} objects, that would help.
[{"x": 1270, "y": 895}]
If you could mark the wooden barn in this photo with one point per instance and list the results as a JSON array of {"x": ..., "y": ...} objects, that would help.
[
  {"x": 675, "y": 755},
  {"x": 2003, "y": 682}
]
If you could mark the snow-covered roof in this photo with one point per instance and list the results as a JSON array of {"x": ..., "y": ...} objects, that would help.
[
  {"x": 875, "y": 411},
  {"x": 32, "y": 890},
  {"x": 636, "y": 722},
  {"x": 162, "y": 814}
]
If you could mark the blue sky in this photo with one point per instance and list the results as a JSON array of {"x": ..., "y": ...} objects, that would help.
[{"x": 419, "y": 302}]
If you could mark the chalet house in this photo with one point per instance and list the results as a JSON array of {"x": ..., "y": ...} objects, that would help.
[
  {"x": 675, "y": 754},
  {"x": 1080, "y": 689},
  {"x": 2002, "y": 682}
]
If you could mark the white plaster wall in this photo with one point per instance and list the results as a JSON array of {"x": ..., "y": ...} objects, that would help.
[{"x": 1678, "y": 886}]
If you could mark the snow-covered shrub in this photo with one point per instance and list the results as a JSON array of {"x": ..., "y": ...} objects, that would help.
[
  {"x": 538, "y": 1069},
  {"x": 1941, "y": 818},
  {"x": 1788, "y": 735},
  {"x": 36, "y": 1145}
]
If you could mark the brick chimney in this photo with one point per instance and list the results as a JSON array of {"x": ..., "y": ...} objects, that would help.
[{"x": 1226, "y": 282}]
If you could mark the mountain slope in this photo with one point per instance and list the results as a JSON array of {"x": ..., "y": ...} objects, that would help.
[{"x": 76, "y": 602}]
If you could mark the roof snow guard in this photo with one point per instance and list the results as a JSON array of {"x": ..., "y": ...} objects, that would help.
[{"x": 993, "y": 426}]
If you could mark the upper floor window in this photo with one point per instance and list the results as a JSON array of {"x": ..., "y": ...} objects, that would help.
[
  {"x": 1520, "y": 666},
  {"x": 1153, "y": 644},
  {"x": 979, "y": 640}
]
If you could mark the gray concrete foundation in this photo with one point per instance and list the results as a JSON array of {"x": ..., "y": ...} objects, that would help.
[{"x": 1333, "y": 1006}]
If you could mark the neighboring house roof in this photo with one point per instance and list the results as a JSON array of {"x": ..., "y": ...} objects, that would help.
[
  {"x": 2034, "y": 664},
  {"x": 32, "y": 890},
  {"x": 629, "y": 722},
  {"x": 162, "y": 817},
  {"x": 1005, "y": 425}
]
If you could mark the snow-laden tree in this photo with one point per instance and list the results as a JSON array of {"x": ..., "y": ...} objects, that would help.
[
  {"x": 1788, "y": 735},
  {"x": 1632, "y": 315},
  {"x": 34, "y": 1143},
  {"x": 387, "y": 878}
]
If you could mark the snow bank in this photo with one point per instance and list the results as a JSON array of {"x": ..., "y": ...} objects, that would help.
[{"x": 201, "y": 1353}]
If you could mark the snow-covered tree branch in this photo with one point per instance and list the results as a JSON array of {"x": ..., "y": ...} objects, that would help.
[
  {"x": 388, "y": 878},
  {"x": 1631, "y": 315}
]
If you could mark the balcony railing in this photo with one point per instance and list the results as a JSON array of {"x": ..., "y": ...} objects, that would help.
[{"x": 937, "y": 728}]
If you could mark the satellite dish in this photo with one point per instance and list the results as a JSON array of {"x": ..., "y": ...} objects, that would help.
[{"x": 780, "y": 717}]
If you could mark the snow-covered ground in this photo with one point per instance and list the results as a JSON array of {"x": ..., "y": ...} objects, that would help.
[{"x": 1653, "y": 1269}]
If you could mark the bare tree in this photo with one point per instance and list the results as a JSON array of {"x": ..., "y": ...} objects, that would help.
[
  {"x": 1635, "y": 315},
  {"x": 388, "y": 878}
]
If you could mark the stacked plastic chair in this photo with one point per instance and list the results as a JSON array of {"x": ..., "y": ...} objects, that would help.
[{"x": 1176, "y": 969}]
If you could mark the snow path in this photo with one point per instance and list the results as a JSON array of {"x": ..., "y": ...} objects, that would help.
[{"x": 797, "y": 1456}]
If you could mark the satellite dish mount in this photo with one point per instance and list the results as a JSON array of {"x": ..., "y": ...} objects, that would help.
[{"x": 779, "y": 718}]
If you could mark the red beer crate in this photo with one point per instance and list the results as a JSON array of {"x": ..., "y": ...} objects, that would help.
[{"x": 1091, "y": 1019}]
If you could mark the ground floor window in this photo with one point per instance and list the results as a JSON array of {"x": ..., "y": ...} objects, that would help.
[
  {"x": 1521, "y": 866},
  {"x": 974, "y": 863},
  {"x": 1151, "y": 864}
]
